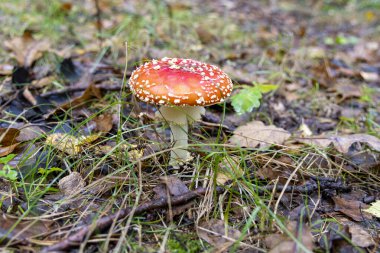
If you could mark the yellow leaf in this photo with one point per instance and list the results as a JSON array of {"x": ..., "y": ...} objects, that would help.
[
  {"x": 64, "y": 142},
  {"x": 374, "y": 209}
]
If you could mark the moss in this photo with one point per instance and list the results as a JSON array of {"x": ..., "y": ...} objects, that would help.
[{"x": 184, "y": 243}]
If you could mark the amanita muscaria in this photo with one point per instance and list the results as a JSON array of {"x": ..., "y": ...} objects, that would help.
[{"x": 181, "y": 87}]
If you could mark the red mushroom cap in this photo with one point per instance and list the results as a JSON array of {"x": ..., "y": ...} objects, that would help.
[{"x": 174, "y": 81}]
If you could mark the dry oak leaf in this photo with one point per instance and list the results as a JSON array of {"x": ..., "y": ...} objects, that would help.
[
  {"x": 351, "y": 208},
  {"x": 26, "y": 50},
  {"x": 255, "y": 134},
  {"x": 343, "y": 143},
  {"x": 217, "y": 233}
]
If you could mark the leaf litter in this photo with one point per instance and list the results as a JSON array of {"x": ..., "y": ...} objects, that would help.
[{"x": 311, "y": 138}]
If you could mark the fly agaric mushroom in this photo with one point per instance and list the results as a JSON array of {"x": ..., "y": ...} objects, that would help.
[{"x": 181, "y": 87}]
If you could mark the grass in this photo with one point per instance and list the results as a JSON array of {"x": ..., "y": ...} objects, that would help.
[{"x": 114, "y": 179}]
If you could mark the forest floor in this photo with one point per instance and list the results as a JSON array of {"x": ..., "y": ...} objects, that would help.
[{"x": 84, "y": 165}]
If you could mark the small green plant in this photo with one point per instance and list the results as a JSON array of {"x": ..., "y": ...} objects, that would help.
[
  {"x": 341, "y": 40},
  {"x": 46, "y": 172},
  {"x": 249, "y": 97},
  {"x": 8, "y": 172}
]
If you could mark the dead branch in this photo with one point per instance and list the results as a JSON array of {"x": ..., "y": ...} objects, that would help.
[{"x": 102, "y": 223}]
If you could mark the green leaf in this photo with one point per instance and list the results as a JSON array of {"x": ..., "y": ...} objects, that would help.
[
  {"x": 48, "y": 171},
  {"x": 265, "y": 88},
  {"x": 7, "y": 159},
  {"x": 8, "y": 173},
  {"x": 247, "y": 99}
]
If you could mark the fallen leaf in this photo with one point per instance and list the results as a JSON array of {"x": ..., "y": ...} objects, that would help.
[
  {"x": 218, "y": 233},
  {"x": 28, "y": 133},
  {"x": 64, "y": 142},
  {"x": 14, "y": 230},
  {"x": 351, "y": 208},
  {"x": 8, "y": 136},
  {"x": 370, "y": 76},
  {"x": 29, "y": 96},
  {"x": 71, "y": 184},
  {"x": 345, "y": 89},
  {"x": 365, "y": 51},
  {"x": 374, "y": 209},
  {"x": 281, "y": 243},
  {"x": 8, "y": 140},
  {"x": 360, "y": 237},
  {"x": 7, "y": 149},
  {"x": 255, "y": 134},
  {"x": 305, "y": 130},
  {"x": 175, "y": 186},
  {"x": 343, "y": 143},
  {"x": 6, "y": 69},
  {"x": 26, "y": 50},
  {"x": 41, "y": 83}
]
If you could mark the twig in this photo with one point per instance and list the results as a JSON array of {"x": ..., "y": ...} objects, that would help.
[
  {"x": 77, "y": 238},
  {"x": 102, "y": 223},
  {"x": 99, "y": 24}
]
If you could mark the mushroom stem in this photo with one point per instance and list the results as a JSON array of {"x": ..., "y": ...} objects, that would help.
[
  {"x": 178, "y": 118},
  {"x": 179, "y": 138}
]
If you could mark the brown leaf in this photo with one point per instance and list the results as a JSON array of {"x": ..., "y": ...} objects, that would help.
[
  {"x": 255, "y": 134},
  {"x": 7, "y": 149},
  {"x": 281, "y": 243},
  {"x": 71, "y": 184},
  {"x": 8, "y": 136},
  {"x": 343, "y": 143},
  {"x": 8, "y": 141},
  {"x": 360, "y": 237},
  {"x": 28, "y": 133},
  {"x": 26, "y": 50},
  {"x": 351, "y": 208},
  {"x": 175, "y": 186},
  {"x": 345, "y": 89},
  {"x": 24, "y": 230},
  {"x": 217, "y": 233}
]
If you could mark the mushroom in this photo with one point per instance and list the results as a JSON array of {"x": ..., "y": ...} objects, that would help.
[{"x": 181, "y": 87}]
